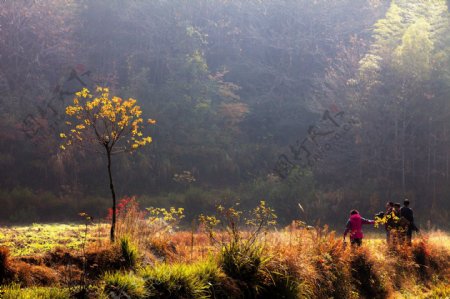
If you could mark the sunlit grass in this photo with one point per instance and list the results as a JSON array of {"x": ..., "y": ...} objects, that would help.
[
  {"x": 308, "y": 261},
  {"x": 15, "y": 292},
  {"x": 39, "y": 238}
]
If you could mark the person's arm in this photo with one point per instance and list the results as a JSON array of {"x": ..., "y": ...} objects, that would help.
[
  {"x": 347, "y": 228},
  {"x": 367, "y": 221}
]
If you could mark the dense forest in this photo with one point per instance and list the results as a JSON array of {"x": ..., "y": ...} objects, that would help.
[{"x": 330, "y": 104}]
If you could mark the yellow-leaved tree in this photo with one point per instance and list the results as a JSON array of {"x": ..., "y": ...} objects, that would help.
[{"x": 107, "y": 124}]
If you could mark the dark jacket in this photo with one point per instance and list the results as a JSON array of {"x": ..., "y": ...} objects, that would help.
[{"x": 407, "y": 213}]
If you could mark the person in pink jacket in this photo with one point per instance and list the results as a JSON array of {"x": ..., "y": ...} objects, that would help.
[{"x": 354, "y": 226}]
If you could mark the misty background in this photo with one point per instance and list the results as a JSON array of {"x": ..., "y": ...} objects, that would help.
[{"x": 331, "y": 104}]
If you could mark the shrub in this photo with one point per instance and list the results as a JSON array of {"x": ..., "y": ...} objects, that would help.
[
  {"x": 279, "y": 282},
  {"x": 244, "y": 262},
  {"x": 218, "y": 284},
  {"x": 130, "y": 219},
  {"x": 129, "y": 251},
  {"x": 148, "y": 229},
  {"x": 177, "y": 281},
  {"x": 241, "y": 261},
  {"x": 124, "y": 285},
  {"x": 241, "y": 256}
]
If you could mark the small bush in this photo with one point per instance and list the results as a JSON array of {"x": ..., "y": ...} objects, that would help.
[
  {"x": 241, "y": 256},
  {"x": 124, "y": 285},
  {"x": 177, "y": 281},
  {"x": 218, "y": 284},
  {"x": 242, "y": 262},
  {"x": 130, "y": 254},
  {"x": 279, "y": 282},
  {"x": 130, "y": 219}
]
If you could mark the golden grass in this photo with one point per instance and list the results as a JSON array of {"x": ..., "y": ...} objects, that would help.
[
  {"x": 316, "y": 258},
  {"x": 40, "y": 238}
]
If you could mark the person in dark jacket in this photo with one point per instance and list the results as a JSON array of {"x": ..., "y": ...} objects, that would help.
[
  {"x": 407, "y": 216},
  {"x": 354, "y": 226}
]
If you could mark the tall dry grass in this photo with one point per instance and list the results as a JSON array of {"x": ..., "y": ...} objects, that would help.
[
  {"x": 295, "y": 262},
  {"x": 312, "y": 262}
]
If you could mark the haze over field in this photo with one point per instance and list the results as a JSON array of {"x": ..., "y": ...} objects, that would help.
[{"x": 203, "y": 149}]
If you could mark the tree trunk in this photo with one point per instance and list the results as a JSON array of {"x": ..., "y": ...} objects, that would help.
[{"x": 111, "y": 186}]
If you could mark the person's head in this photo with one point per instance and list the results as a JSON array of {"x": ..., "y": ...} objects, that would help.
[
  {"x": 389, "y": 205},
  {"x": 397, "y": 206},
  {"x": 406, "y": 202},
  {"x": 354, "y": 212}
]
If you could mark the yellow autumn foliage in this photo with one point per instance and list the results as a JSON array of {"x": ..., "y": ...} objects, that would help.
[{"x": 105, "y": 119}]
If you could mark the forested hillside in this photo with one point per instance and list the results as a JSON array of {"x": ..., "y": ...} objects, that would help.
[{"x": 332, "y": 105}]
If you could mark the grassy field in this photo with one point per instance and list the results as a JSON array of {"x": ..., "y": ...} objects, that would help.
[
  {"x": 39, "y": 238},
  {"x": 152, "y": 260}
]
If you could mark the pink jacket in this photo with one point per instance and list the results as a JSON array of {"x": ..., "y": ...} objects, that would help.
[{"x": 354, "y": 226}]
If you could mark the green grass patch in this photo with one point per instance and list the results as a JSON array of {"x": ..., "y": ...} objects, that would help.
[
  {"x": 15, "y": 292},
  {"x": 130, "y": 253},
  {"x": 39, "y": 238},
  {"x": 199, "y": 280},
  {"x": 124, "y": 285}
]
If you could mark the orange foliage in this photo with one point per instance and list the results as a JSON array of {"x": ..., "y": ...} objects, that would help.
[{"x": 233, "y": 112}]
